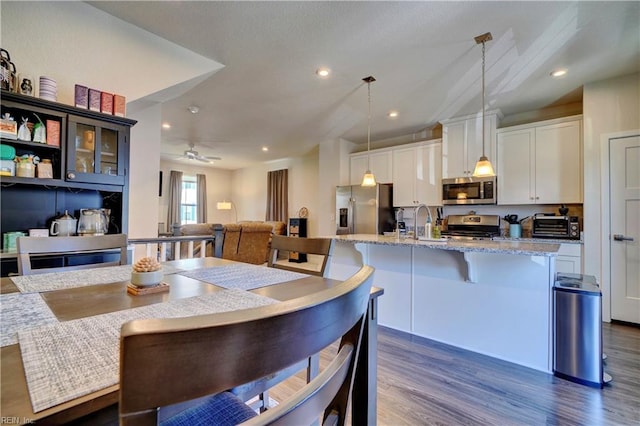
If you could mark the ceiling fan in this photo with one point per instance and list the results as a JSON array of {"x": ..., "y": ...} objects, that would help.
[{"x": 192, "y": 154}]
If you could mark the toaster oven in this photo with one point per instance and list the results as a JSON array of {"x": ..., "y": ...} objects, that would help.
[{"x": 551, "y": 226}]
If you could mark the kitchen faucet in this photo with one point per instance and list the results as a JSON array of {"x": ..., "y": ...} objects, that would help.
[{"x": 415, "y": 215}]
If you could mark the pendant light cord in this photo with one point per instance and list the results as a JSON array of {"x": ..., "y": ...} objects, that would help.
[
  {"x": 483, "y": 99},
  {"x": 369, "y": 127}
]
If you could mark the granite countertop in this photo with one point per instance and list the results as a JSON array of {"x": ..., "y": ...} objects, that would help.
[
  {"x": 504, "y": 246},
  {"x": 541, "y": 240}
]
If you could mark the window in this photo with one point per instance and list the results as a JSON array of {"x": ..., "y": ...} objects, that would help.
[{"x": 189, "y": 201}]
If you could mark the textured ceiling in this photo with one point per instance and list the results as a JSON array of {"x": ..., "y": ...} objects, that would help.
[{"x": 427, "y": 66}]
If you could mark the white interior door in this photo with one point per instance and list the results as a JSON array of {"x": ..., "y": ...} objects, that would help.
[{"x": 625, "y": 228}]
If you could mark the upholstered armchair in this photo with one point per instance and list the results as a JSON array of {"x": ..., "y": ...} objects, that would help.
[
  {"x": 277, "y": 228},
  {"x": 247, "y": 242}
]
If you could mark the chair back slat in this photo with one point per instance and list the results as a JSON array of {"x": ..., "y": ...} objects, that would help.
[
  {"x": 28, "y": 247},
  {"x": 199, "y": 355},
  {"x": 315, "y": 246}
]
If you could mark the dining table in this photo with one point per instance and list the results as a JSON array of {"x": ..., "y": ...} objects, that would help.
[{"x": 72, "y": 307}]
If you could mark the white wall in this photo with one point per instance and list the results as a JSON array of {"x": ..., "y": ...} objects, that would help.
[
  {"x": 250, "y": 188},
  {"x": 609, "y": 106},
  {"x": 72, "y": 42},
  {"x": 144, "y": 162},
  {"x": 333, "y": 170},
  {"x": 218, "y": 189}
]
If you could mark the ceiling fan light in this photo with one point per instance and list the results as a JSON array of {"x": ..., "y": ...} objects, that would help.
[{"x": 483, "y": 168}]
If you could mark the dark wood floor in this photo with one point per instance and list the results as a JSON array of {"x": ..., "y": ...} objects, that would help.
[{"x": 422, "y": 382}]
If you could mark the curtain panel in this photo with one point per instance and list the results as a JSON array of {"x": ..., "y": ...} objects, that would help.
[
  {"x": 175, "y": 198},
  {"x": 278, "y": 195},
  {"x": 201, "y": 185}
]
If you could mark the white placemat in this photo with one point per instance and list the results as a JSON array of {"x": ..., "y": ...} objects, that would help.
[
  {"x": 19, "y": 311},
  {"x": 243, "y": 276},
  {"x": 70, "y": 279},
  {"x": 67, "y": 360}
]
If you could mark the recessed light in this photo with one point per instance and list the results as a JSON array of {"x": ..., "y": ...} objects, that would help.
[
  {"x": 265, "y": 149},
  {"x": 194, "y": 109},
  {"x": 166, "y": 125},
  {"x": 558, "y": 72},
  {"x": 393, "y": 114},
  {"x": 323, "y": 72}
]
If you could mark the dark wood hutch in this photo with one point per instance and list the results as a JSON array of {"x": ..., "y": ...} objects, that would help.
[{"x": 90, "y": 170}]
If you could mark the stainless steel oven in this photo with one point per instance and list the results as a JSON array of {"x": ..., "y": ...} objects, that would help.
[{"x": 469, "y": 190}]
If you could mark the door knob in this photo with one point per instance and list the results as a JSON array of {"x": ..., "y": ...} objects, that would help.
[{"x": 620, "y": 237}]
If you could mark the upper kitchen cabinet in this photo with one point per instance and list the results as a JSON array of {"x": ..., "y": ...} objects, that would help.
[
  {"x": 540, "y": 163},
  {"x": 380, "y": 166},
  {"x": 96, "y": 151},
  {"x": 417, "y": 174},
  {"x": 462, "y": 143}
]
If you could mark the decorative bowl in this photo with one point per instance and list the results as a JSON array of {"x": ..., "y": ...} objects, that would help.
[{"x": 146, "y": 279}]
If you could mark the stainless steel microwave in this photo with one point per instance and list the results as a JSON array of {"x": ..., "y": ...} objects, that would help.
[{"x": 469, "y": 190}]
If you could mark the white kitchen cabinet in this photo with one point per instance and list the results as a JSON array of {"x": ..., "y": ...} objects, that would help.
[
  {"x": 417, "y": 175},
  {"x": 569, "y": 258},
  {"x": 380, "y": 166},
  {"x": 462, "y": 143},
  {"x": 540, "y": 163}
]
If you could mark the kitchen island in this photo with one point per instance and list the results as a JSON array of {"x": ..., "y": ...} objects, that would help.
[{"x": 490, "y": 297}]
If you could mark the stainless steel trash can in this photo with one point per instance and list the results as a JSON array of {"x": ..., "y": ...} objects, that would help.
[{"x": 577, "y": 349}]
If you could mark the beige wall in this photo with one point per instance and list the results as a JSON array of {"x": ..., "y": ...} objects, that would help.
[
  {"x": 72, "y": 42},
  {"x": 218, "y": 189},
  {"x": 610, "y": 106},
  {"x": 250, "y": 188},
  {"x": 143, "y": 173}
]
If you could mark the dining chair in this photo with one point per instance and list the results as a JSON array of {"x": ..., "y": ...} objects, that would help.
[
  {"x": 90, "y": 246},
  {"x": 169, "y": 361},
  {"x": 316, "y": 246}
]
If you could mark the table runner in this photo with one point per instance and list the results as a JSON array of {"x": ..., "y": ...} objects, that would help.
[
  {"x": 84, "y": 277},
  {"x": 67, "y": 360},
  {"x": 19, "y": 311},
  {"x": 243, "y": 276}
]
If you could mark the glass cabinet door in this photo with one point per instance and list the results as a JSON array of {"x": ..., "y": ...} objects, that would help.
[{"x": 95, "y": 152}]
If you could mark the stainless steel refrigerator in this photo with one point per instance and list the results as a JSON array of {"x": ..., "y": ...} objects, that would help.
[{"x": 364, "y": 210}]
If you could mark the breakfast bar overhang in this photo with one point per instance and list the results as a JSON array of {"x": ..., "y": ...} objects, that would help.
[{"x": 490, "y": 297}]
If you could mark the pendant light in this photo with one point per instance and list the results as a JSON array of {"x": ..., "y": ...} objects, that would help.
[
  {"x": 368, "y": 178},
  {"x": 483, "y": 166}
]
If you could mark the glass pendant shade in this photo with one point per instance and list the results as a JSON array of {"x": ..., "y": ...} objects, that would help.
[
  {"x": 483, "y": 168},
  {"x": 368, "y": 179}
]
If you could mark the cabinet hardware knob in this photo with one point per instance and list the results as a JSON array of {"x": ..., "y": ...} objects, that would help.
[{"x": 71, "y": 175}]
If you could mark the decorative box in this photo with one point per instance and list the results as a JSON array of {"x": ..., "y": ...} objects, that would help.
[
  {"x": 106, "y": 103},
  {"x": 82, "y": 96},
  {"x": 53, "y": 132},
  {"x": 38, "y": 232},
  {"x": 119, "y": 103},
  {"x": 94, "y": 100}
]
